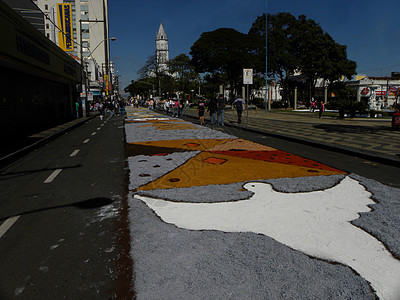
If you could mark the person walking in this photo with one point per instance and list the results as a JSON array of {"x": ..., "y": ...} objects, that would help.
[
  {"x": 201, "y": 108},
  {"x": 321, "y": 108},
  {"x": 176, "y": 108},
  {"x": 239, "y": 104},
  {"x": 187, "y": 106},
  {"x": 220, "y": 110},
  {"x": 212, "y": 108},
  {"x": 181, "y": 105}
]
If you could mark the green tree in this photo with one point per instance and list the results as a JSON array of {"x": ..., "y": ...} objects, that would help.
[
  {"x": 320, "y": 56},
  {"x": 257, "y": 39},
  {"x": 144, "y": 87},
  {"x": 225, "y": 51},
  {"x": 183, "y": 72},
  {"x": 300, "y": 45}
]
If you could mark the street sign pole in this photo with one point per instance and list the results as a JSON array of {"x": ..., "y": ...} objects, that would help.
[{"x": 247, "y": 79}]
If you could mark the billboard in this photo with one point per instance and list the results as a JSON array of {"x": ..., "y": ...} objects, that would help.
[{"x": 65, "y": 38}]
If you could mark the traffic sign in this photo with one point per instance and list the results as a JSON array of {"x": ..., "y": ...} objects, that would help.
[{"x": 247, "y": 76}]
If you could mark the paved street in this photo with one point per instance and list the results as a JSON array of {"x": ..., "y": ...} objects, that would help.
[
  {"x": 59, "y": 214},
  {"x": 201, "y": 212},
  {"x": 213, "y": 216}
]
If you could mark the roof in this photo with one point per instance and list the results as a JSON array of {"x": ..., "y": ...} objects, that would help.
[{"x": 161, "y": 35}]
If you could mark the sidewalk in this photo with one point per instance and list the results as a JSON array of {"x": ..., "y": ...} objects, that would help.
[
  {"x": 22, "y": 146},
  {"x": 369, "y": 138}
]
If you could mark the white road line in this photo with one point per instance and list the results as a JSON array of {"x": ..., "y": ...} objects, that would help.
[
  {"x": 74, "y": 153},
  {"x": 86, "y": 141},
  {"x": 52, "y": 176},
  {"x": 98, "y": 128},
  {"x": 7, "y": 225},
  {"x": 94, "y": 133}
]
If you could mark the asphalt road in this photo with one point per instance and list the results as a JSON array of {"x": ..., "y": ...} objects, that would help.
[
  {"x": 62, "y": 213},
  {"x": 61, "y": 204}
]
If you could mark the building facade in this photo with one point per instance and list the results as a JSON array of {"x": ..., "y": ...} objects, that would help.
[
  {"x": 162, "y": 52},
  {"x": 90, "y": 38},
  {"x": 39, "y": 81},
  {"x": 378, "y": 92}
]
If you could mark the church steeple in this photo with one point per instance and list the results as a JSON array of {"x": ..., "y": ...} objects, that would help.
[
  {"x": 162, "y": 49},
  {"x": 161, "y": 33}
]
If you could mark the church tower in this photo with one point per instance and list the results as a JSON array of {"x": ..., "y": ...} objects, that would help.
[{"x": 162, "y": 52}]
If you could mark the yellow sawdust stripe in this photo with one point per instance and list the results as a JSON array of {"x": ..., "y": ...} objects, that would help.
[
  {"x": 188, "y": 144},
  {"x": 210, "y": 169},
  {"x": 170, "y": 126},
  {"x": 241, "y": 144}
]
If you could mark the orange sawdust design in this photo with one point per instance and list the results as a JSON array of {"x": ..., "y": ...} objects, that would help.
[
  {"x": 215, "y": 161},
  {"x": 278, "y": 157},
  {"x": 197, "y": 172},
  {"x": 241, "y": 144},
  {"x": 185, "y": 144},
  {"x": 170, "y": 126},
  {"x": 154, "y": 121}
]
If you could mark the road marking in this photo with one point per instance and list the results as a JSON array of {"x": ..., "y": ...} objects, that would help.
[
  {"x": 52, "y": 176},
  {"x": 94, "y": 133},
  {"x": 7, "y": 225},
  {"x": 86, "y": 141},
  {"x": 98, "y": 128},
  {"x": 74, "y": 153}
]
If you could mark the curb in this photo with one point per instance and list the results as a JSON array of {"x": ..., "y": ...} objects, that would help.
[{"x": 12, "y": 157}]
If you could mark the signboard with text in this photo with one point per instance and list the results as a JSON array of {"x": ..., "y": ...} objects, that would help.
[
  {"x": 247, "y": 76},
  {"x": 65, "y": 37}
]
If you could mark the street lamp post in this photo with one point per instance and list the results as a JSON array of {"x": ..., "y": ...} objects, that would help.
[{"x": 84, "y": 67}]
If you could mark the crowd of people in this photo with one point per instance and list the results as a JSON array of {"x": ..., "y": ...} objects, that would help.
[
  {"x": 109, "y": 107},
  {"x": 177, "y": 107}
]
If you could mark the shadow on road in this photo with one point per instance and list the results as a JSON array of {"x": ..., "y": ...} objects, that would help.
[
  {"x": 10, "y": 175},
  {"x": 87, "y": 204}
]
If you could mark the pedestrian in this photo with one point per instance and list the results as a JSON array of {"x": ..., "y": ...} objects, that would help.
[
  {"x": 181, "y": 104},
  {"x": 111, "y": 108},
  {"x": 212, "y": 108},
  {"x": 220, "y": 110},
  {"x": 201, "y": 108},
  {"x": 187, "y": 105},
  {"x": 313, "y": 105},
  {"x": 176, "y": 108},
  {"x": 321, "y": 108},
  {"x": 167, "y": 106},
  {"x": 77, "y": 109},
  {"x": 239, "y": 105}
]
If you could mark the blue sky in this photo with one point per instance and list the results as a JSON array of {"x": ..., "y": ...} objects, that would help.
[{"x": 369, "y": 29}]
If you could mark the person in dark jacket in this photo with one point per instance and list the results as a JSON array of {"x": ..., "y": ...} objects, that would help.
[
  {"x": 239, "y": 104},
  {"x": 220, "y": 110},
  {"x": 212, "y": 108}
]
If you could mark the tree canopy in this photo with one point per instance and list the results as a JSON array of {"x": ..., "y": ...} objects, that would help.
[
  {"x": 295, "y": 46},
  {"x": 224, "y": 50},
  {"x": 301, "y": 45}
]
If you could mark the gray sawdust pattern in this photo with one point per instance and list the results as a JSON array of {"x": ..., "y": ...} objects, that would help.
[
  {"x": 145, "y": 169},
  {"x": 383, "y": 222},
  {"x": 235, "y": 192},
  {"x": 173, "y": 263},
  {"x": 136, "y": 132}
]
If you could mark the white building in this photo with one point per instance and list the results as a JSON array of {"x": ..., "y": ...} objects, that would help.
[
  {"x": 378, "y": 92},
  {"x": 89, "y": 34},
  {"x": 162, "y": 52}
]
